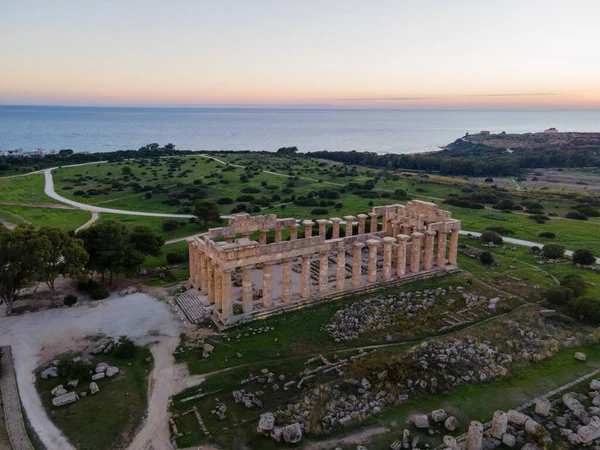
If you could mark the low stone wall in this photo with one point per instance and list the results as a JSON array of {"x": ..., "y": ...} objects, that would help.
[{"x": 12, "y": 404}]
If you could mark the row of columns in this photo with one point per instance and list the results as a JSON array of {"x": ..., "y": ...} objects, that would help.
[
  {"x": 216, "y": 282},
  {"x": 322, "y": 223}
]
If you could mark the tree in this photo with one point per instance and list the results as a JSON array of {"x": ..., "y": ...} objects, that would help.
[
  {"x": 169, "y": 147},
  {"x": 126, "y": 170},
  {"x": 60, "y": 254},
  {"x": 560, "y": 295},
  {"x": 19, "y": 260},
  {"x": 115, "y": 248},
  {"x": 146, "y": 242},
  {"x": 287, "y": 150},
  {"x": 170, "y": 225},
  {"x": 583, "y": 256},
  {"x": 206, "y": 211},
  {"x": 553, "y": 251}
]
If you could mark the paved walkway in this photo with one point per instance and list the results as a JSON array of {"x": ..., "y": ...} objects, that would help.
[{"x": 12, "y": 405}]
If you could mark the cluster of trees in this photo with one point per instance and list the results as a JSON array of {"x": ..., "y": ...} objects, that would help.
[
  {"x": 466, "y": 158},
  {"x": 47, "y": 253},
  {"x": 68, "y": 156}
]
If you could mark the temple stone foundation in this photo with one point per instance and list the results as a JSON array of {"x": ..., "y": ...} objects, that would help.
[{"x": 246, "y": 279}]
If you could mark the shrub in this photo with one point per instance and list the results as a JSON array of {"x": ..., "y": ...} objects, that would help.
[
  {"x": 553, "y": 251},
  {"x": 560, "y": 295},
  {"x": 245, "y": 198},
  {"x": 99, "y": 293},
  {"x": 491, "y": 236},
  {"x": 170, "y": 225},
  {"x": 486, "y": 257},
  {"x": 95, "y": 290},
  {"x": 539, "y": 218},
  {"x": 176, "y": 258},
  {"x": 576, "y": 215},
  {"x": 587, "y": 210},
  {"x": 463, "y": 203},
  {"x": 70, "y": 300},
  {"x": 583, "y": 256},
  {"x": 575, "y": 283},
  {"x": 489, "y": 180},
  {"x": 547, "y": 234},
  {"x": 587, "y": 308},
  {"x": 499, "y": 229},
  {"x": 250, "y": 190},
  {"x": 319, "y": 211},
  {"x": 400, "y": 194},
  {"x": 125, "y": 348},
  {"x": 79, "y": 193},
  {"x": 74, "y": 370},
  {"x": 225, "y": 201},
  {"x": 505, "y": 203},
  {"x": 148, "y": 195}
]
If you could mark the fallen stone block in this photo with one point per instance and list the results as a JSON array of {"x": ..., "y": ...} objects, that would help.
[{"x": 65, "y": 399}]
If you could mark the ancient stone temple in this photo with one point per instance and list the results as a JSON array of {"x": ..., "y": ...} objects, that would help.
[{"x": 260, "y": 265}]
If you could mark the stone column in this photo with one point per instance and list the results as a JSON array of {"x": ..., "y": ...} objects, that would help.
[
  {"x": 308, "y": 224},
  {"x": 267, "y": 285},
  {"x": 373, "y": 217},
  {"x": 406, "y": 229},
  {"x": 210, "y": 281},
  {"x": 278, "y": 234},
  {"x": 415, "y": 257},
  {"x": 294, "y": 232},
  {"x": 372, "y": 268},
  {"x": 322, "y": 226},
  {"x": 192, "y": 262},
  {"x": 356, "y": 263},
  {"x": 340, "y": 267},
  {"x": 262, "y": 237},
  {"x": 226, "y": 300},
  {"x": 305, "y": 277},
  {"x": 475, "y": 436},
  {"x": 388, "y": 243},
  {"x": 362, "y": 219},
  {"x": 218, "y": 289},
  {"x": 286, "y": 281},
  {"x": 441, "y": 248},
  {"x": 428, "y": 262},
  {"x": 203, "y": 275},
  {"x": 349, "y": 220},
  {"x": 453, "y": 251},
  {"x": 387, "y": 224},
  {"x": 336, "y": 227},
  {"x": 247, "y": 289},
  {"x": 401, "y": 255},
  {"x": 323, "y": 273},
  {"x": 499, "y": 424}
]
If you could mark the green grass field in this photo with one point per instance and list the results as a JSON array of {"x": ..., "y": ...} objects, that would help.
[
  {"x": 65, "y": 219},
  {"x": 28, "y": 189}
]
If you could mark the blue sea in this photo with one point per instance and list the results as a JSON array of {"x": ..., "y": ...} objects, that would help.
[{"x": 101, "y": 129}]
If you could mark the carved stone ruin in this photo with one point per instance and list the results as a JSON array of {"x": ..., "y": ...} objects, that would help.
[{"x": 403, "y": 242}]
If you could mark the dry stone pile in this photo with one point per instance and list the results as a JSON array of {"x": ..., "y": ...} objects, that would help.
[{"x": 379, "y": 313}]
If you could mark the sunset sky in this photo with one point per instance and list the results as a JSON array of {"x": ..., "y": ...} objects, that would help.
[{"x": 435, "y": 54}]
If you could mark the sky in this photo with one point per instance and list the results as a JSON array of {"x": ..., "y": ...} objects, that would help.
[{"x": 434, "y": 54}]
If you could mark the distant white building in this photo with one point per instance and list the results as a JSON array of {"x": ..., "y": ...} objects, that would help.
[{"x": 18, "y": 153}]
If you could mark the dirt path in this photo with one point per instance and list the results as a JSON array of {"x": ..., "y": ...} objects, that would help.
[
  {"x": 37, "y": 205},
  {"x": 39, "y": 337},
  {"x": 89, "y": 223}
]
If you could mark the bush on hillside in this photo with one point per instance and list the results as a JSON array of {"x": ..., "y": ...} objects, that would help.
[
  {"x": 583, "y": 256},
  {"x": 486, "y": 257},
  {"x": 547, "y": 234},
  {"x": 586, "y": 308},
  {"x": 499, "y": 229},
  {"x": 319, "y": 212},
  {"x": 576, "y": 215},
  {"x": 125, "y": 348},
  {"x": 553, "y": 251},
  {"x": 560, "y": 295},
  {"x": 505, "y": 203},
  {"x": 94, "y": 289},
  {"x": 575, "y": 283},
  {"x": 539, "y": 218},
  {"x": 170, "y": 225},
  {"x": 490, "y": 236}
]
